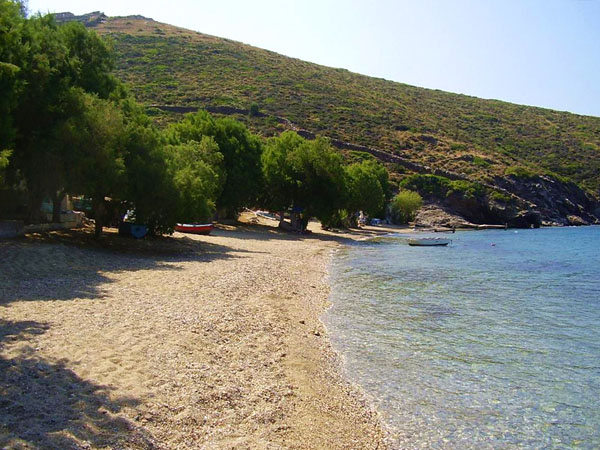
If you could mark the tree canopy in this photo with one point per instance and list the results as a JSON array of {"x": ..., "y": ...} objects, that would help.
[
  {"x": 198, "y": 174},
  {"x": 367, "y": 187},
  {"x": 57, "y": 65},
  {"x": 241, "y": 152},
  {"x": 11, "y": 55},
  {"x": 311, "y": 176}
]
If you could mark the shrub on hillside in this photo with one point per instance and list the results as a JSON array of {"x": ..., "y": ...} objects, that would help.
[
  {"x": 426, "y": 185},
  {"x": 520, "y": 172}
]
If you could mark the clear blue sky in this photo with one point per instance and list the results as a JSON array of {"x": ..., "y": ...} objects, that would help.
[{"x": 534, "y": 52}]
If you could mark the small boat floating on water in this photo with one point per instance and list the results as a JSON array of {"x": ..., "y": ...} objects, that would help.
[
  {"x": 195, "y": 228},
  {"x": 428, "y": 242}
]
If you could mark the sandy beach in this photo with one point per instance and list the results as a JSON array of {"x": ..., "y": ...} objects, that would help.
[{"x": 183, "y": 342}]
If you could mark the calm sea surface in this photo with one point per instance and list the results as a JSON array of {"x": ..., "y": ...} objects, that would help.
[{"x": 492, "y": 342}]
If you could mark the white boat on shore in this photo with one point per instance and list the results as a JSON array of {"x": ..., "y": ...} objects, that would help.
[{"x": 428, "y": 242}]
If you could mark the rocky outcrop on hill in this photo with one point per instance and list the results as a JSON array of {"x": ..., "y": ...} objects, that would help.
[
  {"x": 472, "y": 211},
  {"x": 558, "y": 202},
  {"x": 89, "y": 20},
  {"x": 438, "y": 216},
  {"x": 535, "y": 201}
]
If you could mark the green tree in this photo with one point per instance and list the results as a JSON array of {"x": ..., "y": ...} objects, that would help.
[
  {"x": 130, "y": 161},
  {"x": 320, "y": 187},
  {"x": 168, "y": 183},
  {"x": 306, "y": 175},
  {"x": 118, "y": 153},
  {"x": 254, "y": 110},
  {"x": 241, "y": 152},
  {"x": 89, "y": 60},
  {"x": 150, "y": 190},
  {"x": 366, "y": 187},
  {"x": 11, "y": 60},
  {"x": 404, "y": 206},
  {"x": 58, "y": 63},
  {"x": 23, "y": 7},
  {"x": 80, "y": 132},
  {"x": 197, "y": 171},
  {"x": 97, "y": 161},
  {"x": 279, "y": 179},
  {"x": 429, "y": 186},
  {"x": 56, "y": 149},
  {"x": 40, "y": 110}
]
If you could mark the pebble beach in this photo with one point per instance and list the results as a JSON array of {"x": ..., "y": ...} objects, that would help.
[{"x": 182, "y": 342}]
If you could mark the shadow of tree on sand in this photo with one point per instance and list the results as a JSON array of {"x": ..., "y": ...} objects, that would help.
[
  {"x": 45, "y": 405},
  {"x": 68, "y": 266}
]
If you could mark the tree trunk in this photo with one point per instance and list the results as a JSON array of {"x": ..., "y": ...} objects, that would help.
[
  {"x": 296, "y": 223},
  {"x": 304, "y": 223},
  {"x": 281, "y": 219},
  {"x": 98, "y": 229},
  {"x": 99, "y": 212},
  {"x": 57, "y": 199},
  {"x": 34, "y": 208}
]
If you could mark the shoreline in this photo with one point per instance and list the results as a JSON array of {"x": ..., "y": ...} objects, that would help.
[{"x": 187, "y": 342}]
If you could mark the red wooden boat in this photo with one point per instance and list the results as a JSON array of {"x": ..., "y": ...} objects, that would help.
[{"x": 195, "y": 228}]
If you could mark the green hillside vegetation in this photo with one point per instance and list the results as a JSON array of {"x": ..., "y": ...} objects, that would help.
[{"x": 480, "y": 139}]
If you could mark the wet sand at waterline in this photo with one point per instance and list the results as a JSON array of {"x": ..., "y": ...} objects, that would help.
[{"x": 184, "y": 342}]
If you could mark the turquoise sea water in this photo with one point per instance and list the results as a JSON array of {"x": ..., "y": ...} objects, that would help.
[{"x": 492, "y": 342}]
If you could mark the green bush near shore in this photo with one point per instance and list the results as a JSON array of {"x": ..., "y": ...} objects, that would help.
[{"x": 404, "y": 206}]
